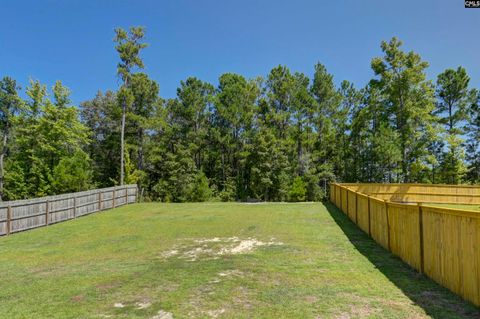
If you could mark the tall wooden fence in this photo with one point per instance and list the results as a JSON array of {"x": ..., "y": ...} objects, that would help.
[
  {"x": 442, "y": 243},
  {"x": 421, "y": 193},
  {"x": 26, "y": 214}
]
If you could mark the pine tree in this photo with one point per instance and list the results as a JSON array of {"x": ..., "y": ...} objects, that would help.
[
  {"x": 128, "y": 45},
  {"x": 473, "y": 142},
  {"x": 10, "y": 105},
  {"x": 453, "y": 98},
  {"x": 408, "y": 98}
]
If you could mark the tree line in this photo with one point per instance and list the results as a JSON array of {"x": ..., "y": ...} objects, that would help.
[{"x": 275, "y": 138}]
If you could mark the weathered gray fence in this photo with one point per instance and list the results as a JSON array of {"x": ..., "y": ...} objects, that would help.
[{"x": 25, "y": 214}]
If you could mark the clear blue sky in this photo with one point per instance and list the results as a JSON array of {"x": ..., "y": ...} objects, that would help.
[{"x": 72, "y": 40}]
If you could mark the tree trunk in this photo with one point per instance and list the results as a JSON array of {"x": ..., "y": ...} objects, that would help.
[
  {"x": 2, "y": 156},
  {"x": 122, "y": 146},
  {"x": 122, "y": 140},
  {"x": 140, "y": 150}
]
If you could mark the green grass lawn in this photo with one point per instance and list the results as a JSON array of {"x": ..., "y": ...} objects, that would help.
[
  {"x": 457, "y": 206},
  {"x": 213, "y": 260}
]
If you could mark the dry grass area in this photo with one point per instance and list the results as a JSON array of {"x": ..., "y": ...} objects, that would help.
[{"x": 213, "y": 260}]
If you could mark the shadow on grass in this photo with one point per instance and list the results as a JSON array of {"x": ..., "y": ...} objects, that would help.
[{"x": 437, "y": 301}]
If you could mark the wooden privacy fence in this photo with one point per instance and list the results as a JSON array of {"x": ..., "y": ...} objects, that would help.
[
  {"x": 421, "y": 193},
  {"x": 443, "y": 243},
  {"x": 26, "y": 214}
]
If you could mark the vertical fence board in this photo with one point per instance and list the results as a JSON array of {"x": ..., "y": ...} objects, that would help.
[
  {"x": 352, "y": 205},
  {"x": 378, "y": 222},
  {"x": 343, "y": 200},
  {"x": 362, "y": 212},
  {"x": 405, "y": 233}
]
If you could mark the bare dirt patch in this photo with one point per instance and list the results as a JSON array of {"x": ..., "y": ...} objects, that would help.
[
  {"x": 215, "y": 313},
  {"x": 143, "y": 304},
  {"x": 231, "y": 273},
  {"x": 105, "y": 287},
  {"x": 77, "y": 298},
  {"x": 214, "y": 248},
  {"x": 161, "y": 314}
]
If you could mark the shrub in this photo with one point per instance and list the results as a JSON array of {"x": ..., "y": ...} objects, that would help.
[
  {"x": 298, "y": 190},
  {"x": 199, "y": 191}
]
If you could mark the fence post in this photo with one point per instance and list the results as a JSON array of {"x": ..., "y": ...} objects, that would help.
[
  {"x": 356, "y": 208},
  {"x": 335, "y": 194},
  {"x": 113, "y": 205},
  {"x": 346, "y": 190},
  {"x": 388, "y": 224},
  {"x": 74, "y": 206},
  {"x": 334, "y": 190},
  {"x": 100, "y": 200},
  {"x": 420, "y": 223},
  {"x": 47, "y": 208},
  {"x": 126, "y": 195},
  {"x": 369, "y": 227},
  {"x": 9, "y": 220}
]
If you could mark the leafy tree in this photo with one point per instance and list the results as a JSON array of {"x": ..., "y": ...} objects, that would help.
[
  {"x": 46, "y": 134},
  {"x": 72, "y": 174}
]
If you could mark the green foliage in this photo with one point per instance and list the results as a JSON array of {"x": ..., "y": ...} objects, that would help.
[
  {"x": 199, "y": 190},
  {"x": 406, "y": 99},
  {"x": 128, "y": 45},
  {"x": 72, "y": 174},
  {"x": 282, "y": 137},
  {"x": 298, "y": 190},
  {"x": 473, "y": 142},
  {"x": 453, "y": 99},
  {"x": 49, "y": 138},
  {"x": 10, "y": 105}
]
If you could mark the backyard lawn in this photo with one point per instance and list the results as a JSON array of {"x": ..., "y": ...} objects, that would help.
[{"x": 213, "y": 260}]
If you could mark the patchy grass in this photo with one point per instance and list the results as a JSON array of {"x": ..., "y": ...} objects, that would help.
[
  {"x": 475, "y": 207},
  {"x": 213, "y": 260}
]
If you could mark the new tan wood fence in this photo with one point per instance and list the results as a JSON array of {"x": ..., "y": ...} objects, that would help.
[
  {"x": 442, "y": 243},
  {"x": 21, "y": 215},
  {"x": 421, "y": 193}
]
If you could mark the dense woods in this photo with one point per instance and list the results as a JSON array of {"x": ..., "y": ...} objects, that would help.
[{"x": 278, "y": 137}]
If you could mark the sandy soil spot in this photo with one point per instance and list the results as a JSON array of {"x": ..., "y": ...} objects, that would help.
[
  {"x": 231, "y": 273},
  {"x": 214, "y": 248},
  {"x": 142, "y": 305},
  {"x": 161, "y": 314},
  {"x": 215, "y": 313}
]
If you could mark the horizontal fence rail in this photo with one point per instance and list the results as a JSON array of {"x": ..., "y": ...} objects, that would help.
[
  {"x": 443, "y": 243},
  {"x": 26, "y": 214}
]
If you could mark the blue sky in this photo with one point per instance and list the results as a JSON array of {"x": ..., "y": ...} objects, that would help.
[{"x": 71, "y": 40}]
